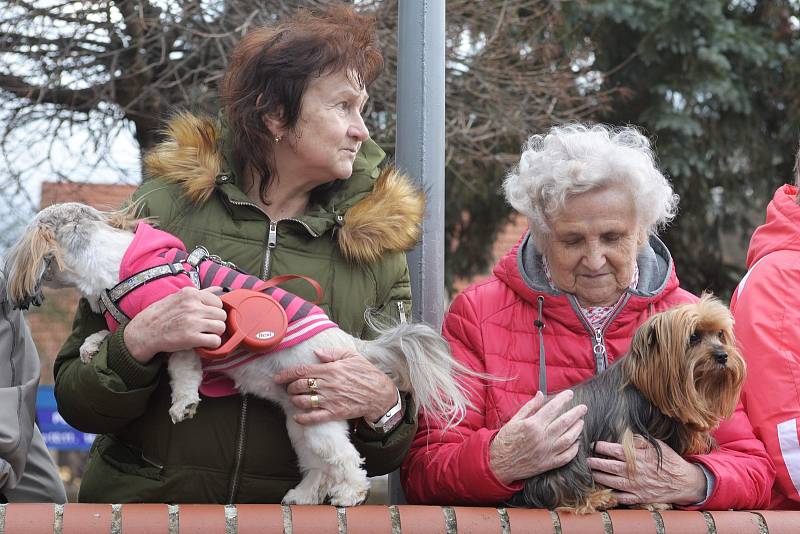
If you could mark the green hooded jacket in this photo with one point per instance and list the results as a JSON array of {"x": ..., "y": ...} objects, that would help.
[{"x": 236, "y": 449}]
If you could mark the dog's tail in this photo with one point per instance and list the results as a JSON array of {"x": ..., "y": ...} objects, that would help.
[{"x": 418, "y": 359}]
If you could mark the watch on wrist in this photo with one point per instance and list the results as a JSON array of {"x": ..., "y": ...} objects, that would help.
[{"x": 390, "y": 419}]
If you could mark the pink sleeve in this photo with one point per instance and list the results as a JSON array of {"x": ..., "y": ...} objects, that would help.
[
  {"x": 452, "y": 467},
  {"x": 767, "y": 314},
  {"x": 135, "y": 301}
]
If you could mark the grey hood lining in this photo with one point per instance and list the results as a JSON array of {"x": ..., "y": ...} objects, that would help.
[{"x": 653, "y": 259}]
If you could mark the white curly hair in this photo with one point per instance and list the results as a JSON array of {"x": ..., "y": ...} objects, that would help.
[{"x": 577, "y": 158}]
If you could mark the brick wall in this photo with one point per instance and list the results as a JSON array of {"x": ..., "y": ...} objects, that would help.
[
  {"x": 506, "y": 238},
  {"x": 25, "y": 518}
]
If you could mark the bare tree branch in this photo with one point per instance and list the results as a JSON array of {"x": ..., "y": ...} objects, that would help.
[{"x": 102, "y": 63}]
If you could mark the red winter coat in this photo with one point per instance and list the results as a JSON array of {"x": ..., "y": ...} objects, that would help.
[
  {"x": 766, "y": 306},
  {"x": 490, "y": 327}
]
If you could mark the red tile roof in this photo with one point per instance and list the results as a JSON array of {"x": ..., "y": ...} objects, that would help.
[
  {"x": 100, "y": 196},
  {"x": 506, "y": 238}
]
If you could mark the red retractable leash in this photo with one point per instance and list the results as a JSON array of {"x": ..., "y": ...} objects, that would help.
[{"x": 255, "y": 319}]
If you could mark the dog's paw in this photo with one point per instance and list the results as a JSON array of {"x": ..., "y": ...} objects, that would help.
[
  {"x": 184, "y": 408},
  {"x": 600, "y": 499},
  {"x": 653, "y": 507},
  {"x": 300, "y": 496},
  {"x": 91, "y": 345},
  {"x": 350, "y": 493}
]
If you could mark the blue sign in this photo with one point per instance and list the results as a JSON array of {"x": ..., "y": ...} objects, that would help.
[{"x": 56, "y": 432}]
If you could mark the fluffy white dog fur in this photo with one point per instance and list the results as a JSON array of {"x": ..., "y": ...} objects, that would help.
[{"x": 75, "y": 245}]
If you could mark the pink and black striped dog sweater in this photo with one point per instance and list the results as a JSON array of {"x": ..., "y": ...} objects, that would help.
[{"x": 152, "y": 247}]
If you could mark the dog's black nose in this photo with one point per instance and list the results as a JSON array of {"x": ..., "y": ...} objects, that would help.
[{"x": 720, "y": 356}]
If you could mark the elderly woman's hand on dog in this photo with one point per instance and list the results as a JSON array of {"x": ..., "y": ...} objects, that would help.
[
  {"x": 348, "y": 386},
  {"x": 185, "y": 320},
  {"x": 676, "y": 481},
  {"x": 537, "y": 439}
]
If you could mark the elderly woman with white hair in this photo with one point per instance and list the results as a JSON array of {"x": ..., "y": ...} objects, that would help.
[{"x": 560, "y": 307}]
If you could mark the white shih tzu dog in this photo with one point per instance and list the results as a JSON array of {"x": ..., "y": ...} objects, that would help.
[{"x": 75, "y": 245}]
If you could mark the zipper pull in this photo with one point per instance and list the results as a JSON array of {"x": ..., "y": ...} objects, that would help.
[
  {"x": 599, "y": 349},
  {"x": 402, "y": 310},
  {"x": 272, "y": 241}
]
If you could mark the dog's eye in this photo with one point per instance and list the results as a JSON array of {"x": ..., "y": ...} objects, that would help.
[
  {"x": 694, "y": 339},
  {"x": 48, "y": 275},
  {"x": 721, "y": 335}
]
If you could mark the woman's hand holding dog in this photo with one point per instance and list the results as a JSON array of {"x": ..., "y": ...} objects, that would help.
[
  {"x": 184, "y": 320},
  {"x": 540, "y": 437},
  {"x": 676, "y": 482},
  {"x": 348, "y": 387}
]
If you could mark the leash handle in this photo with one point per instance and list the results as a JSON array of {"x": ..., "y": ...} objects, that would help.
[
  {"x": 273, "y": 282},
  {"x": 226, "y": 347}
]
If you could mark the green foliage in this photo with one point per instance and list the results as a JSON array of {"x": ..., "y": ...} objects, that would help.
[{"x": 715, "y": 85}]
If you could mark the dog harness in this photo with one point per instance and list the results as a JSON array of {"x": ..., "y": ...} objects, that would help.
[{"x": 157, "y": 264}]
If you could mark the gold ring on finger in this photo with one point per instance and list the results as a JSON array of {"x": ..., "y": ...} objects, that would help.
[
  {"x": 312, "y": 384},
  {"x": 314, "y": 402}
]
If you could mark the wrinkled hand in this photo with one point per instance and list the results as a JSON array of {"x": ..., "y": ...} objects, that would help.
[
  {"x": 540, "y": 437},
  {"x": 677, "y": 482},
  {"x": 348, "y": 387},
  {"x": 187, "y": 319}
]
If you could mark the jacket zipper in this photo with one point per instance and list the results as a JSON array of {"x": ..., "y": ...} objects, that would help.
[
  {"x": 272, "y": 241},
  {"x": 13, "y": 345},
  {"x": 598, "y": 334},
  {"x": 599, "y": 350},
  {"x": 272, "y": 238},
  {"x": 239, "y": 451},
  {"x": 402, "y": 310},
  {"x": 243, "y": 413}
]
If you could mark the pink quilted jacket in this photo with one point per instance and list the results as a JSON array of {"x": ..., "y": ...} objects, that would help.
[
  {"x": 766, "y": 306},
  {"x": 491, "y": 329}
]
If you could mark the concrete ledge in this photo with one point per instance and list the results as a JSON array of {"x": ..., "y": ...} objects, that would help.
[{"x": 271, "y": 518}]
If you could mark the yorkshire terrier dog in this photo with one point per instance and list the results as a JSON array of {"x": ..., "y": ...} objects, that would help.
[
  {"x": 681, "y": 377},
  {"x": 74, "y": 245}
]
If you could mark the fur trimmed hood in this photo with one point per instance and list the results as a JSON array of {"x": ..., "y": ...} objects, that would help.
[{"x": 376, "y": 211}]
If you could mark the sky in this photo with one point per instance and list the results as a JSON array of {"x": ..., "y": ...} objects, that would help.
[{"x": 33, "y": 158}]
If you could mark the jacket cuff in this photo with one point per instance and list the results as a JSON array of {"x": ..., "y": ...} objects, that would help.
[
  {"x": 367, "y": 434},
  {"x": 119, "y": 360},
  {"x": 712, "y": 485},
  {"x": 479, "y": 474}
]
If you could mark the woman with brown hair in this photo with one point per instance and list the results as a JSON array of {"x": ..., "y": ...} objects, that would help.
[{"x": 286, "y": 182}]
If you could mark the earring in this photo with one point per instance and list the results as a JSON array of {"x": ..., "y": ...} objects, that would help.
[{"x": 277, "y": 138}]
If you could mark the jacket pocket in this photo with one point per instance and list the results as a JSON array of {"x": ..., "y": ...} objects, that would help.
[{"x": 126, "y": 458}]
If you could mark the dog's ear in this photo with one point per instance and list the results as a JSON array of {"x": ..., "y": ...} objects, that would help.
[
  {"x": 651, "y": 336},
  {"x": 127, "y": 217},
  {"x": 28, "y": 260},
  {"x": 646, "y": 338}
]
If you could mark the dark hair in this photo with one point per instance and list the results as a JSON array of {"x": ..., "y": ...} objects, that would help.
[{"x": 271, "y": 67}]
